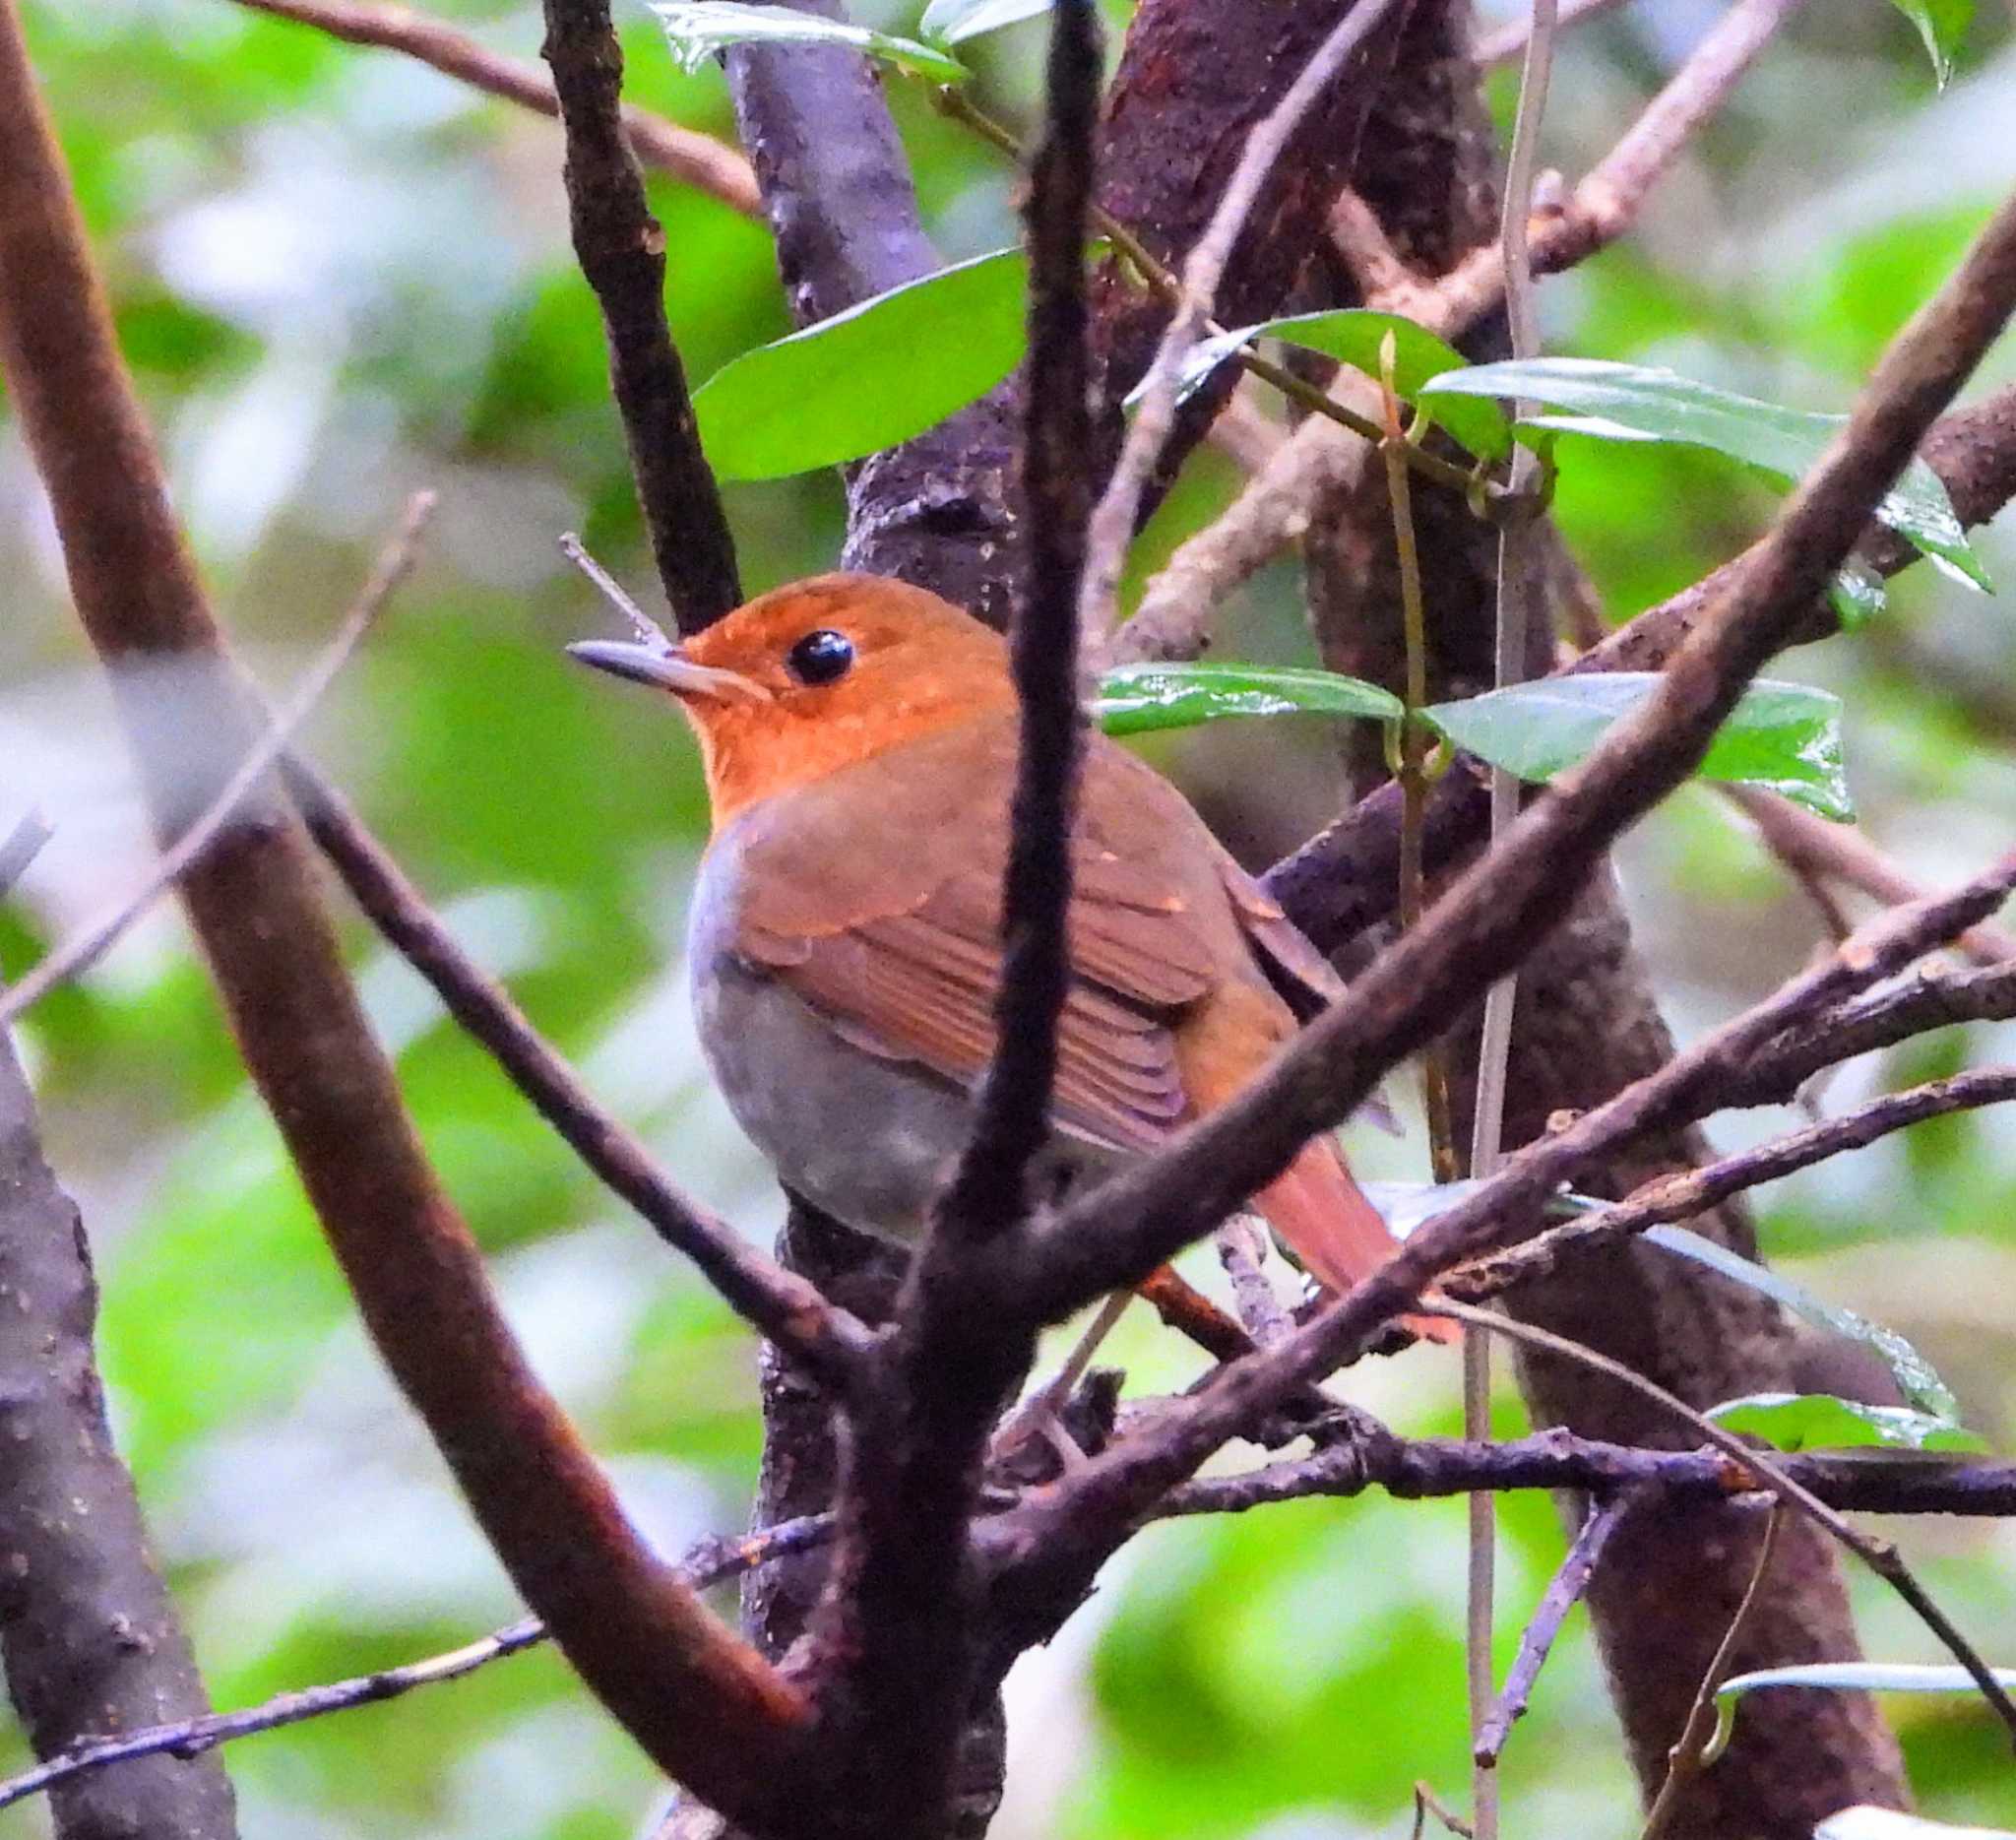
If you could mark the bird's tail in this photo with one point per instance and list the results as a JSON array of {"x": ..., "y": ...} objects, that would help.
[{"x": 1320, "y": 1211}]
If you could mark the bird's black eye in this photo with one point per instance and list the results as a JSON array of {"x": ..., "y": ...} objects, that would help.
[{"x": 821, "y": 656}]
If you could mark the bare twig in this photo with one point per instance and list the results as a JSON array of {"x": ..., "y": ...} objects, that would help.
[
  {"x": 706, "y": 1707},
  {"x": 1112, "y": 521},
  {"x": 1564, "y": 1590},
  {"x": 698, "y": 159},
  {"x": 622, "y": 253},
  {"x": 84, "y": 948},
  {"x": 1277, "y": 505},
  {"x": 1684, "y": 1196},
  {"x": 709, "y": 1564},
  {"x": 1242, "y": 1250},
  {"x": 1811, "y": 845},
  {"x": 1688, "y": 1755},
  {"x": 1880, "y": 1556},
  {"x": 24, "y": 844},
  {"x": 1507, "y": 44}
]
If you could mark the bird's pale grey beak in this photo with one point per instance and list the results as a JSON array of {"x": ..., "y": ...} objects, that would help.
[{"x": 667, "y": 668}]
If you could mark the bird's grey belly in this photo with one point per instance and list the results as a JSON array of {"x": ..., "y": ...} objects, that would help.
[{"x": 866, "y": 1138}]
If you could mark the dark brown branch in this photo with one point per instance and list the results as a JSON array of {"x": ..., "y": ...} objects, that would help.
[
  {"x": 783, "y": 1305},
  {"x": 1684, "y": 1196},
  {"x": 1483, "y": 925},
  {"x": 1564, "y": 1591},
  {"x": 622, "y": 252},
  {"x": 699, "y": 159},
  {"x": 703, "y": 1703},
  {"x": 708, "y": 1564},
  {"x": 906, "y": 1600},
  {"x": 87, "y": 1630}
]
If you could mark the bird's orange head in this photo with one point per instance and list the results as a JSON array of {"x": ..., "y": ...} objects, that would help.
[{"x": 815, "y": 676}]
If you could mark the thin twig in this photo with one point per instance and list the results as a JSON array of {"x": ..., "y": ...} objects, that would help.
[
  {"x": 1811, "y": 845},
  {"x": 785, "y": 1307},
  {"x": 1507, "y": 44},
  {"x": 1684, "y": 1196},
  {"x": 699, "y": 159},
  {"x": 1564, "y": 1591},
  {"x": 1688, "y": 1755},
  {"x": 1242, "y": 1251},
  {"x": 708, "y": 1564},
  {"x": 1112, "y": 521},
  {"x": 91, "y": 942},
  {"x": 1880, "y": 1556},
  {"x": 24, "y": 844}
]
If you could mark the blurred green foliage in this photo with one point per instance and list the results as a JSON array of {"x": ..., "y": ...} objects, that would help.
[{"x": 341, "y": 278}]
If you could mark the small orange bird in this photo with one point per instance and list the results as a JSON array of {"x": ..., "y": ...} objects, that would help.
[{"x": 859, "y": 739}]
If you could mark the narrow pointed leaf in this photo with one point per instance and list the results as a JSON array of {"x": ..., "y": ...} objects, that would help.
[
  {"x": 698, "y": 28},
  {"x": 1135, "y": 698},
  {"x": 1942, "y": 25},
  {"x": 867, "y": 378},
  {"x": 1352, "y": 336},
  {"x": 1785, "y": 737},
  {"x": 1862, "y": 1676},
  {"x": 1915, "y": 1376},
  {"x": 947, "y": 23},
  {"x": 1638, "y": 402},
  {"x": 1822, "y": 1422}
]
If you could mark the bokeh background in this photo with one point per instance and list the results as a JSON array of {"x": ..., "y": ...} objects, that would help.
[{"x": 339, "y": 278}]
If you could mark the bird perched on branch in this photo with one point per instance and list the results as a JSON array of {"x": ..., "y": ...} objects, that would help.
[{"x": 859, "y": 739}]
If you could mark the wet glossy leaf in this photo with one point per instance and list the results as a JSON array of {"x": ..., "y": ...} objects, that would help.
[
  {"x": 953, "y": 22},
  {"x": 1822, "y": 1422},
  {"x": 698, "y": 28},
  {"x": 1915, "y": 1376},
  {"x": 1135, "y": 698},
  {"x": 867, "y": 378},
  {"x": 1862, "y": 1676},
  {"x": 1786, "y": 737},
  {"x": 1865, "y": 1822},
  {"x": 1354, "y": 336},
  {"x": 1857, "y": 595},
  {"x": 1639, "y": 402},
  {"x": 1942, "y": 25}
]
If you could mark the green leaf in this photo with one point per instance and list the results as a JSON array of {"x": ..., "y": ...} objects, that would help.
[
  {"x": 698, "y": 28},
  {"x": 1822, "y": 1422},
  {"x": 947, "y": 23},
  {"x": 1857, "y": 595},
  {"x": 867, "y": 378},
  {"x": 1135, "y": 698},
  {"x": 1942, "y": 25},
  {"x": 1637, "y": 403},
  {"x": 1786, "y": 737},
  {"x": 1354, "y": 336},
  {"x": 1915, "y": 1376}
]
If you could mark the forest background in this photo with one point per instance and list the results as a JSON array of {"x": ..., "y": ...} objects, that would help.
[{"x": 343, "y": 278}]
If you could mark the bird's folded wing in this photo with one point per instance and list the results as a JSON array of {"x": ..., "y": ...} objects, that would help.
[{"x": 919, "y": 984}]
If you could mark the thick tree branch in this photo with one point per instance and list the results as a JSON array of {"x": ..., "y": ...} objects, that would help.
[
  {"x": 87, "y": 1630},
  {"x": 622, "y": 252},
  {"x": 698, "y": 159},
  {"x": 702, "y": 1703}
]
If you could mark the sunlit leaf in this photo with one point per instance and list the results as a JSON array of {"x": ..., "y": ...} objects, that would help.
[
  {"x": 1915, "y": 1376},
  {"x": 1354, "y": 336},
  {"x": 698, "y": 28},
  {"x": 1942, "y": 25},
  {"x": 953, "y": 22},
  {"x": 1822, "y": 1422},
  {"x": 1785, "y": 737},
  {"x": 1638, "y": 402},
  {"x": 867, "y": 378},
  {"x": 1135, "y": 698},
  {"x": 1857, "y": 595}
]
